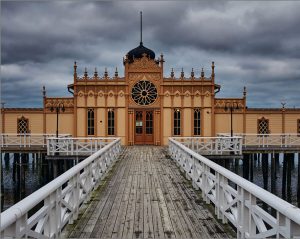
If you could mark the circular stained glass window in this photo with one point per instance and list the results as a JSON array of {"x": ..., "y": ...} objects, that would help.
[{"x": 144, "y": 92}]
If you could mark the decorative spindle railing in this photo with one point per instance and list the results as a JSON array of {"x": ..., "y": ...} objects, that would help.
[
  {"x": 213, "y": 145},
  {"x": 238, "y": 205},
  {"x": 75, "y": 146},
  {"x": 26, "y": 140},
  {"x": 268, "y": 140},
  {"x": 60, "y": 199}
]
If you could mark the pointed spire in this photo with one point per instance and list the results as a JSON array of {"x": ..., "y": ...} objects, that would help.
[
  {"x": 202, "y": 72},
  {"x": 182, "y": 73},
  {"x": 213, "y": 69},
  {"x": 172, "y": 73},
  {"x": 105, "y": 73},
  {"x": 192, "y": 73},
  {"x": 141, "y": 14},
  {"x": 44, "y": 91},
  {"x": 75, "y": 68},
  {"x": 96, "y": 72},
  {"x": 116, "y": 72},
  {"x": 85, "y": 72}
]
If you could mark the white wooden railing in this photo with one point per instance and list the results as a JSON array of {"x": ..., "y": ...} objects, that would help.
[
  {"x": 61, "y": 198},
  {"x": 238, "y": 205},
  {"x": 26, "y": 140},
  {"x": 75, "y": 146},
  {"x": 268, "y": 140},
  {"x": 213, "y": 145}
]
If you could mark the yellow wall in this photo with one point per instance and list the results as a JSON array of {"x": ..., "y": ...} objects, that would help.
[
  {"x": 120, "y": 124},
  {"x": 187, "y": 122},
  {"x": 101, "y": 99},
  {"x": 101, "y": 126},
  {"x": 275, "y": 122},
  {"x": 222, "y": 123},
  {"x": 291, "y": 123},
  {"x": 81, "y": 122},
  {"x": 207, "y": 122},
  {"x": 35, "y": 122},
  {"x": 167, "y": 101},
  {"x": 167, "y": 125},
  {"x": 65, "y": 123}
]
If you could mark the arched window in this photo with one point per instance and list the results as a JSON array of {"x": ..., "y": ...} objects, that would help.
[
  {"x": 90, "y": 122},
  {"x": 177, "y": 122},
  {"x": 23, "y": 125},
  {"x": 197, "y": 121},
  {"x": 263, "y": 126},
  {"x": 111, "y": 122}
]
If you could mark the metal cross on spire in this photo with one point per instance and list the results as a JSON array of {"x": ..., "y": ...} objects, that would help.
[{"x": 141, "y": 42}]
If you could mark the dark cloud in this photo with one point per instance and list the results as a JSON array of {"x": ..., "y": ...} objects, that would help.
[{"x": 254, "y": 44}]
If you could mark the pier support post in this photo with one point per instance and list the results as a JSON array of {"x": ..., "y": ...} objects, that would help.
[
  {"x": 283, "y": 185},
  {"x": 290, "y": 158},
  {"x": 298, "y": 185},
  {"x": 246, "y": 166}
]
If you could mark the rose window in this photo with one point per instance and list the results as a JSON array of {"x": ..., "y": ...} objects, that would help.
[{"x": 144, "y": 92}]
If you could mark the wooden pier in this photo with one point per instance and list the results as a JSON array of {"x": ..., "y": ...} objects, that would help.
[{"x": 146, "y": 196}]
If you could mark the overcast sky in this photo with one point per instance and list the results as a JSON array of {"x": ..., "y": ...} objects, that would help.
[{"x": 253, "y": 44}]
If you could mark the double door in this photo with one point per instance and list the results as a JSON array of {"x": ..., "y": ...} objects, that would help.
[{"x": 144, "y": 127}]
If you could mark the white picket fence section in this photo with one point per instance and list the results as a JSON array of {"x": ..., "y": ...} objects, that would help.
[
  {"x": 61, "y": 198},
  {"x": 26, "y": 140},
  {"x": 288, "y": 140},
  {"x": 213, "y": 145},
  {"x": 239, "y": 206},
  {"x": 75, "y": 146}
]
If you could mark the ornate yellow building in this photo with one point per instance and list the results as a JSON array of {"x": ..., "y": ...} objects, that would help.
[{"x": 144, "y": 107}]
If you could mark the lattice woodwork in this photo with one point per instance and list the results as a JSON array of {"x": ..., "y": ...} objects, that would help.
[
  {"x": 23, "y": 125},
  {"x": 263, "y": 126}
]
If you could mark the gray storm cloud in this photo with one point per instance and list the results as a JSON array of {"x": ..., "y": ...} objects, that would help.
[{"x": 254, "y": 44}]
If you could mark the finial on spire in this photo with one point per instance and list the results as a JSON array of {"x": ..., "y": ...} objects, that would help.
[
  {"x": 116, "y": 72},
  {"x": 85, "y": 72},
  {"x": 182, "y": 73},
  {"x": 96, "y": 72},
  {"x": 141, "y": 14},
  {"x": 192, "y": 73},
  {"x": 105, "y": 73},
  {"x": 245, "y": 91},
  {"x": 202, "y": 72},
  {"x": 172, "y": 73},
  {"x": 75, "y": 68},
  {"x": 213, "y": 69},
  {"x": 44, "y": 91}
]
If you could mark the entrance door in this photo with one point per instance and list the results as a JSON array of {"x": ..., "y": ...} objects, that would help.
[{"x": 144, "y": 127}]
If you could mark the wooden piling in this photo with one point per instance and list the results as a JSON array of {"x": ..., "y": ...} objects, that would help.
[
  {"x": 298, "y": 185},
  {"x": 2, "y": 186},
  {"x": 273, "y": 174},
  {"x": 251, "y": 167},
  {"x": 290, "y": 158},
  {"x": 283, "y": 185},
  {"x": 265, "y": 166},
  {"x": 246, "y": 166}
]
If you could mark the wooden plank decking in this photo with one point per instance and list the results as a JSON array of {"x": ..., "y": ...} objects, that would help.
[{"x": 145, "y": 197}]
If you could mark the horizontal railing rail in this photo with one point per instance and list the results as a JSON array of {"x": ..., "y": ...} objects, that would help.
[
  {"x": 213, "y": 145},
  {"x": 76, "y": 146},
  {"x": 269, "y": 140},
  {"x": 26, "y": 140},
  {"x": 239, "y": 203},
  {"x": 60, "y": 199}
]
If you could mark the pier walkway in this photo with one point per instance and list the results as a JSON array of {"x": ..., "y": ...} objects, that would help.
[{"x": 146, "y": 196}]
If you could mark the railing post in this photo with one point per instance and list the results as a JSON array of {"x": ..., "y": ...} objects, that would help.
[
  {"x": 76, "y": 194},
  {"x": 51, "y": 228}
]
